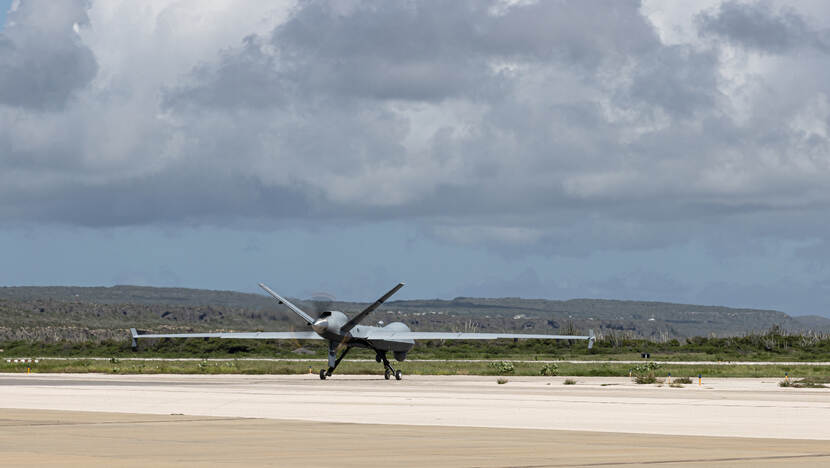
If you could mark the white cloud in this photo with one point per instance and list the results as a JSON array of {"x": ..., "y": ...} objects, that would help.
[{"x": 513, "y": 125}]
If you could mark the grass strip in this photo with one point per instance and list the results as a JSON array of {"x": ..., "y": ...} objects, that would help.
[{"x": 816, "y": 374}]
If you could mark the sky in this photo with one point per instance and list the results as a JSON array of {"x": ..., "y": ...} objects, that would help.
[
  {"x": 4, "y": 7},
  {"x": 670, "y": 151}
]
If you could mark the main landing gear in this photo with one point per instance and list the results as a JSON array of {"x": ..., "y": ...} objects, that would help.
[
  {"x": 380, "y": 356},
  {"x": 388, "y": 370}
]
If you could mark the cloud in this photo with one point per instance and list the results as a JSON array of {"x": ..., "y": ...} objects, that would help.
[
  {"x": 42, "y": 59},
  {"x": 560, "y": 127},
  {"x": 757, "y": 26}
]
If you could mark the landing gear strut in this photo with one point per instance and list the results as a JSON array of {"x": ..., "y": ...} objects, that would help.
[
  {"x": 388, "y": 370},
  {"x": 334, "y": 361}
]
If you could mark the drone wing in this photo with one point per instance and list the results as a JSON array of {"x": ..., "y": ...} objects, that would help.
[
  {"x": 395, "y": 335},
  {"x": 302, "y": 335}
]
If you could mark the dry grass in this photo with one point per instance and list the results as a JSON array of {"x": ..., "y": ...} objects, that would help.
[
  {"x": 643, "y": 379},
  {"x": 808, "y": 382},
  {"x": 812, "y": 375}
]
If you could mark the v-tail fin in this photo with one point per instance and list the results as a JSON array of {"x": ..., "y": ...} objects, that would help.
[{"x": 291, "y": 306}]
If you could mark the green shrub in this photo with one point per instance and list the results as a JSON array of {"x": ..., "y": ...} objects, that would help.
[
  {"x": 682, "y": 380},
  {"x": 644, "y": 373},
  {"x": 502, "y": 367},
  {"x": 550, "y": 369},
  {"x": 646, "y": 367},
  {"x": 569, "y": 382}
]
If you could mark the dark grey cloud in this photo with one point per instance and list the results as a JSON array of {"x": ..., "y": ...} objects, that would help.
[
  {"x": 416, "y": 51},
  {"x": 676, "y": 79},
  {"x": 758, "y": 26},
  {"x": 42, "y": 59},
  {"x": 245, "y": 78}
]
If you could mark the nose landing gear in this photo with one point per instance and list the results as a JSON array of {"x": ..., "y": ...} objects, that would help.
[{"x": 333, "y": 363}]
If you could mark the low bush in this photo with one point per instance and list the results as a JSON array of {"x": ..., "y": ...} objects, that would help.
[
  {"x": 646, "y": 378},
  {"x": 644, "y": 373},
  {"x": 550, "y": 369},
  {"x": 502, "y": 367}
]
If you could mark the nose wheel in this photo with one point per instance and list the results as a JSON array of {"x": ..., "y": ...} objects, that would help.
[{"x": 334, "y": 361}]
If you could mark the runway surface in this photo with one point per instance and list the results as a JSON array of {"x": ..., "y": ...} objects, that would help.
[
  {"x": 38, "y": 438},
  {"x": 451, "y": 421}
]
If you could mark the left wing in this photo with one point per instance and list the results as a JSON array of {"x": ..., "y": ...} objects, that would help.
[{"x": 392, "y": 335}]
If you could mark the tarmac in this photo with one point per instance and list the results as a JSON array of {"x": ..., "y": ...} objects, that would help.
[{"x": 120, "y": 420}]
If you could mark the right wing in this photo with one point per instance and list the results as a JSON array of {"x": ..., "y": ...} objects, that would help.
[{"x": 309, "y": 335}]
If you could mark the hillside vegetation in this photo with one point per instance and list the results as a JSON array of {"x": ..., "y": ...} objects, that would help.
[{"x": 77, "y": 314}]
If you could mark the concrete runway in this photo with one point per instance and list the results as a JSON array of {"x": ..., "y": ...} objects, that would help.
[{"x": 109, "y": 420}]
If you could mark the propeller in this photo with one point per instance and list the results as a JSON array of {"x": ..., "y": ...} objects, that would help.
[
  {"x": 318, "y": 303},
  {"x": 321, "y": 302}
]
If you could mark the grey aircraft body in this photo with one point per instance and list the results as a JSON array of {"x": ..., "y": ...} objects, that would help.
[{"x": 341, "y": 332}]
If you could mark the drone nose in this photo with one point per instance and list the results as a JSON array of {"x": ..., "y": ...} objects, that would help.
[{"x": 320, "y": 325}]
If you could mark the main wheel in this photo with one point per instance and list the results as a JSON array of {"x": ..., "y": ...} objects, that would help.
[
  {"x": 322, "y": 374},
  {"x": 398, "y": 375},
  {"x": 387, "y": 374}
]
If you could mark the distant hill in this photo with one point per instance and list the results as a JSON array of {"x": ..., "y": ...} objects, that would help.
[
  {"x": 813, "y": 322},
  {"x": 135, "y": 295},
  {"x": 81, "y": 313}
]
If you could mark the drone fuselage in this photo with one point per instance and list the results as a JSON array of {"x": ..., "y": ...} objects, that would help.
[{"x": 329, "y": 323}]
